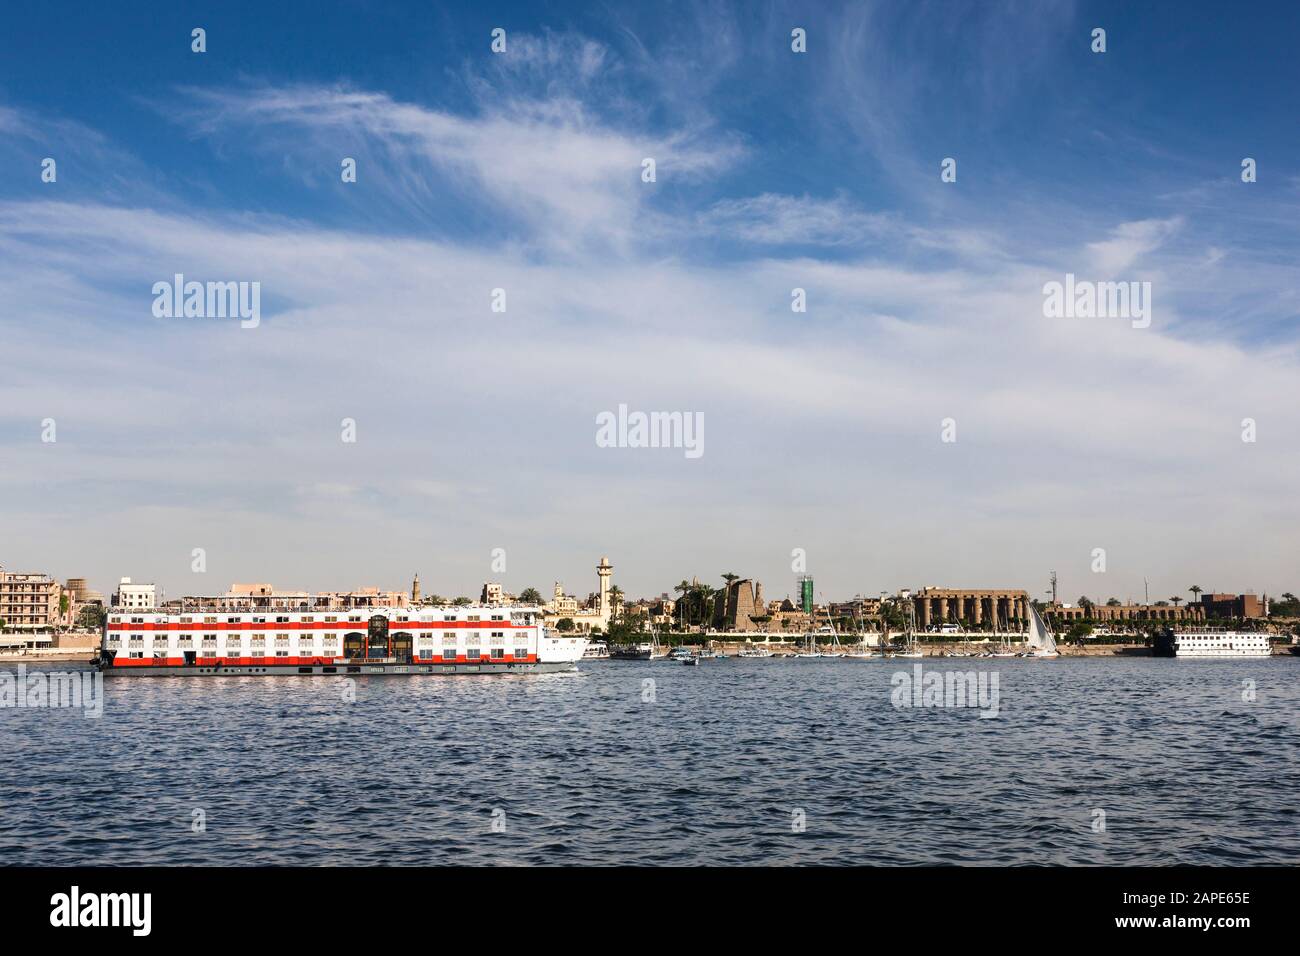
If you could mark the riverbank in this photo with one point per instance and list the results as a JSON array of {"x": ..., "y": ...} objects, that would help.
[
  {"x": 944, "y": 648},
  {"x": 72, "y": 655}
]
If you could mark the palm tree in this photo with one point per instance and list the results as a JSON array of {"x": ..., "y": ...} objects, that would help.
[
  {"x": 684, "y": 588},
  {"x": 1195, "y": 590},
  {"x": 1175, "y": 600},
  {"x": 708, "y": 597},
  {"x": 530, "y": 596},
  {"x": 729, "y": 577},
  {"x": 615, "y": 601}
]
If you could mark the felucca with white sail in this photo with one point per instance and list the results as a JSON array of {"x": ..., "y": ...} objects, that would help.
[{"x": 1041, "y": 642}]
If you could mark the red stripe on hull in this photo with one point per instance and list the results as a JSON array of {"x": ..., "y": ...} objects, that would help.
[{"x": 394, "y": 627}]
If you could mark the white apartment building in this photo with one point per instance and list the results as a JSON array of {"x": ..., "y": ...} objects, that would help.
[{"x": 130, "y": 595}]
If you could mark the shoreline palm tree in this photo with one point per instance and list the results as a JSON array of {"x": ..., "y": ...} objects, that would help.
[{"x": 684, "y": 588}]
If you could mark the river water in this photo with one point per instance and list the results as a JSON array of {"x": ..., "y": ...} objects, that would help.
[{"x": 1088, "y": 761}]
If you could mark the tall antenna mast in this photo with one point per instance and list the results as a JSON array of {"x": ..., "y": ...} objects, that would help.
[{"x": 1053, "y": 587}]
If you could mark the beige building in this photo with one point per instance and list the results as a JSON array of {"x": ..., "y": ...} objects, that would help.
[
  {"x": 596, "y": 614},
  {"x": 561, "y": 604},
  {"x": 1124, "y": 612},
  {"x": 1001, "y": 608},
  {"x": 493, "y": 595},
  {"x": 787, "y": 617},
  {"x": 79, "y": 595},
  {"x": 29, "y": 601},
  {"x": 261, "y": 595},
  {"x": 859, "y": 610}
]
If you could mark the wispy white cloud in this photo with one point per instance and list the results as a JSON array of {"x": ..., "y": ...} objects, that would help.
[
  {"x": 1128, "y": 242},
  {"x": 772, "y": 219},
  {"x": 545, "y": 164}
]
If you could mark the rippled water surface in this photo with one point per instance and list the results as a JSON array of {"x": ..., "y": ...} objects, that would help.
[{"x": 708, "y": 766}]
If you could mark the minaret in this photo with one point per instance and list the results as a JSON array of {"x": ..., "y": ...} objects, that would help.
[
  {"x": 415, "y": 589},
  {"x": 605, "y": 571}
]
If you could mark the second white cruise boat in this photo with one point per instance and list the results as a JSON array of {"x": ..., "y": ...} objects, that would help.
[{"x": 1200, "y": 644}]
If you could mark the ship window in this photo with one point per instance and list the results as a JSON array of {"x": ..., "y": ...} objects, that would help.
[
  {"x": 472, "y": 653},
  {"x": 449, "y": 640},
  {"x": 498, "y": 652},
  {"x": 426, "y": 653}
]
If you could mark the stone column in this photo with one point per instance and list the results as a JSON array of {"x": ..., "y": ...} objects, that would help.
[
  {"x": 943, "y": 610},
  {"x": 979, "y": 610},
  {"x": 925, "y": 611}
]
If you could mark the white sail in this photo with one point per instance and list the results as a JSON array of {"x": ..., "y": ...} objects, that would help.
[{"x": 1040, "y": 638}]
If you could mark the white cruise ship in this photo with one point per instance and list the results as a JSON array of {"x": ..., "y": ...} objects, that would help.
[
  {"x": 1190, "y": 644},
  {"x": 222, "y": 638}
]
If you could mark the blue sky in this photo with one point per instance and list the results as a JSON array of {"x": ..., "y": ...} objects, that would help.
[{"x": 775, "y": 170}]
